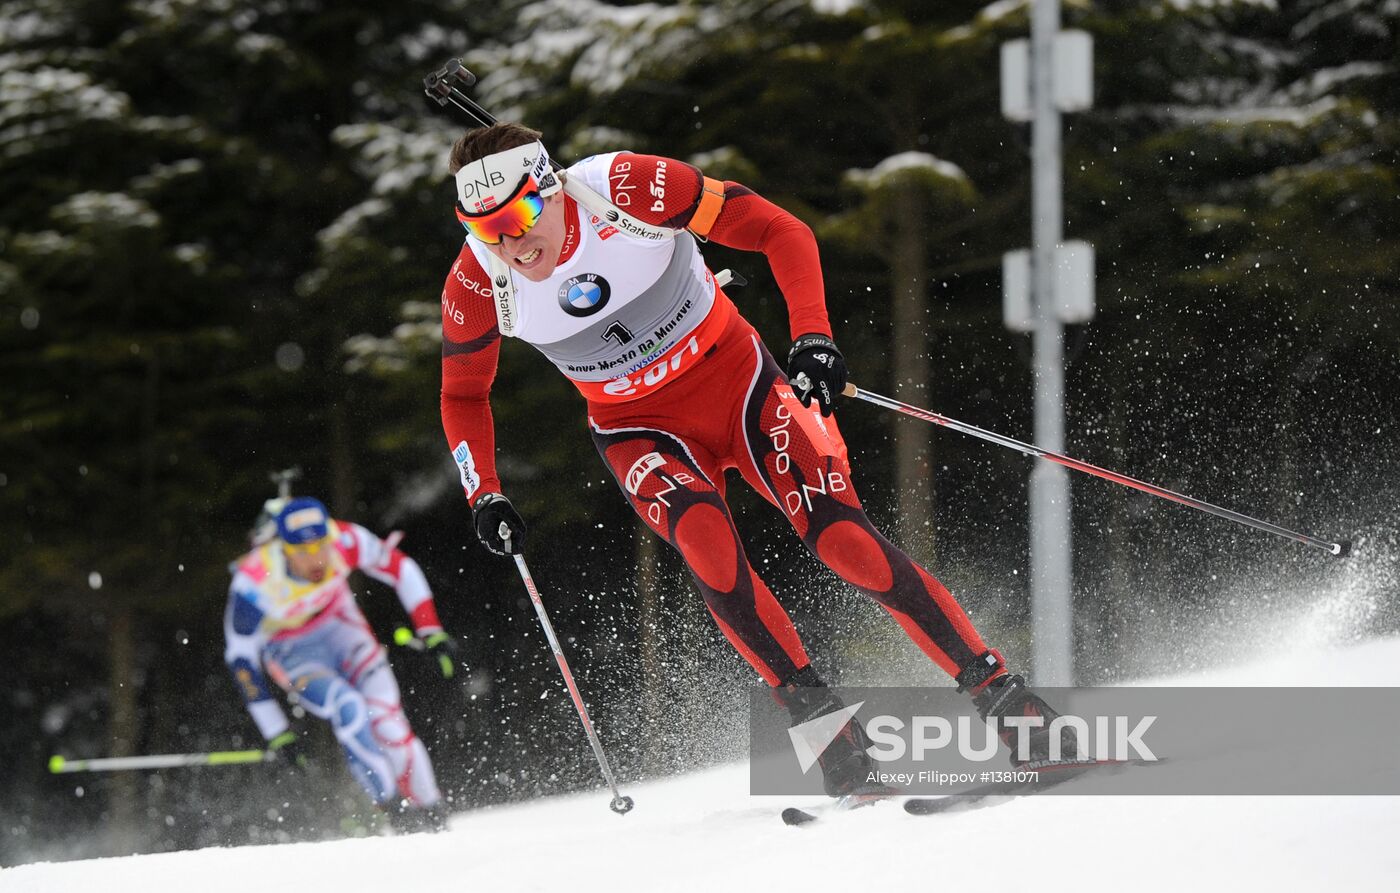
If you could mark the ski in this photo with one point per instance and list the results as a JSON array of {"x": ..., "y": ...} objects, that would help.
[
  {"x": 996, "y": 793},
  {"x": 798, "y": 817}
]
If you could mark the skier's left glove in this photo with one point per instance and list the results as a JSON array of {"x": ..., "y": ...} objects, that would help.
[
  {"x": 290, "y": 750},
  {"x": 444, "y": 649},
  {"x": 817, "y": 371},
  {"x": 498, "y": 525}
]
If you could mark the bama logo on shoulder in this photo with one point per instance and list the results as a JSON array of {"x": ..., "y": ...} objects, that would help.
[{"x": 466, "y": 466}]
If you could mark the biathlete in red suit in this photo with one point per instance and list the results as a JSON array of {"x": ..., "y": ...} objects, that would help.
[{"x": 598, "y": 267}]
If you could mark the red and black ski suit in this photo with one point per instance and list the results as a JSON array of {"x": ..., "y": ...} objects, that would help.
[{"x": 718, "y": 401}]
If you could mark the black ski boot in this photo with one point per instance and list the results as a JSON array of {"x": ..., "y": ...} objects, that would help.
[
  {"x": 999, "y": 694},
  {"x": 846, "y": 766}
]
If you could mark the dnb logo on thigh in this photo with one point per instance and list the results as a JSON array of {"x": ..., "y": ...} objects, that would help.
[
  {"x": 637, "y": 475},
  {"x": 584, "y": 295},
  {"x": 797, "y": 497}
]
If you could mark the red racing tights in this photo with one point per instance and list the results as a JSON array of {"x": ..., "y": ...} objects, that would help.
[{"x": 735, "y": 409}]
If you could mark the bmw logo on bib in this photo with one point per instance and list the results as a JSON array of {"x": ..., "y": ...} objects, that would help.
[{"x": 584, "y": 295}]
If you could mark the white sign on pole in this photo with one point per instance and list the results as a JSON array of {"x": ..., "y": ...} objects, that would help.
[
  {"x": 1016, "y": 80},
  {"x": 1074, "y": 71},
  {"x": 1017, "y": 311},
  {"x": 1074, "y": 282}
]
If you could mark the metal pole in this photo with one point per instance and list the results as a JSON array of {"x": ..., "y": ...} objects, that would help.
[
  {"x": 620, "y": 804},
  {"x": 59, "y": 764},
  {"x": 1340, "y": 549},
  {"x": 1052, "y": 619}
]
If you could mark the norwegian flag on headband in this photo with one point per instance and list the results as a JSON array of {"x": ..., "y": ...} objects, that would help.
[{"x": 483, "y": 206}]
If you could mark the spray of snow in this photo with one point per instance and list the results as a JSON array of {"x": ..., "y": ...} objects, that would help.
[{"x": 704, "y": 831}]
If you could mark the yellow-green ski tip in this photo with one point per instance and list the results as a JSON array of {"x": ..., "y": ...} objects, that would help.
[
  {"x": 403, "y": 635},
  {"x": 56, "y": 764}
]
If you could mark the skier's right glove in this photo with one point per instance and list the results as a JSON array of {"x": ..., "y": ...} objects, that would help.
[
  {"x": 498, "y": 525},
  {"x": 290, "y": 750}
]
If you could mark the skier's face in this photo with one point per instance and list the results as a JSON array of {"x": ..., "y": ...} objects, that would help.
[
  {"x": 307, "y": 564},
  {"x": 535, "y": 254}
]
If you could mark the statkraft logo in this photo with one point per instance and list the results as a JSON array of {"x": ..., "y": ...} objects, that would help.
[
  {"x": 631, "y": 227},
  {"x": 466, "y": 467}
]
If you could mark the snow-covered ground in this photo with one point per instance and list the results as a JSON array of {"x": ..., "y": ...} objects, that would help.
[{"x": 704, "y": 832}]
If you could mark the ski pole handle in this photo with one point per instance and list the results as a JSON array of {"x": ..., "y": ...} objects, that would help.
[
  {"x": 453, "y": 69},
  {"x": 449, "y": 84},
  {"x": 1339, "y": 549},
  {"x": 59, "y": 765}
]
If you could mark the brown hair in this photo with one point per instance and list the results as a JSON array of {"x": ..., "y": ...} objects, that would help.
[{"x": 477, "y": 144}]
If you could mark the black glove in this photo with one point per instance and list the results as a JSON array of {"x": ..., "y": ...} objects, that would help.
[
  {"x": 444, "y": 649},
  {"x": 290, "y": 750},
  {"x": 498, "y": 525},
  {"x": 817, "y": 371}
]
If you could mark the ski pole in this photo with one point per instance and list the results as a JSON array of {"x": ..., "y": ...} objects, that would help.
[
  {"x": 58, "y": 764},
  {"x": 620, "y": 804},
  {"x": 1339, "y": 549}
]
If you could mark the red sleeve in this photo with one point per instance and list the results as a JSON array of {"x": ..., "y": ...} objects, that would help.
[
  {"x": 425, "y": 618},
  {"x": 471, "y": 343},
  {"x": 666, "y": 192}
]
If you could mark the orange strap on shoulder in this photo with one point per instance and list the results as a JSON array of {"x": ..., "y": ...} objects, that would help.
[{"x": 707, "y": 212}]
